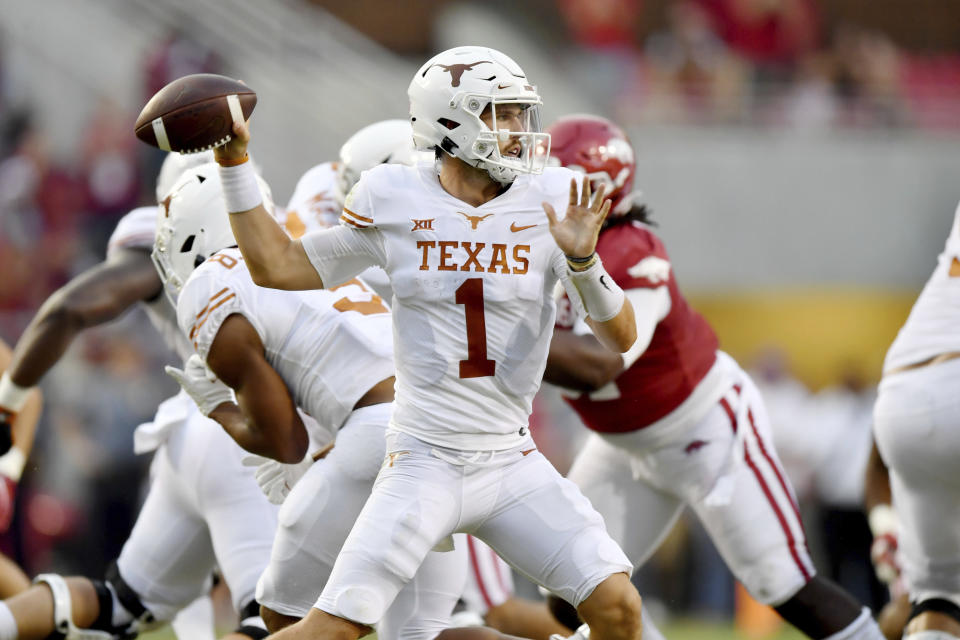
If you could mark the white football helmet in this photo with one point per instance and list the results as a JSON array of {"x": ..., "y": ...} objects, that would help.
[
  {"x": 447, "y": 96},
  {"x": 384, "y": 142},
  {"x": 173, "y": 167},
  {"x": 193, "y": 224}
]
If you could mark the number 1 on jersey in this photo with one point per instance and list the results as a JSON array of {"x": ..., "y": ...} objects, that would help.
[{"x": 477, "y": 365}]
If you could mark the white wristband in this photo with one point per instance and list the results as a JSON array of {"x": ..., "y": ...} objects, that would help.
[
  {"x": 601, "y": 296},
  {"x": 882, "y": 519},
  {"x": 240, "y": 189},
  {"x": 12, "y": 395}
]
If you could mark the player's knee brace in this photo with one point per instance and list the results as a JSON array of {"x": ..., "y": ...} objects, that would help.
[
  {"x": 251, "y": 624},
  {"x": 937, "y": 605},
  {"x": 65, "y": 629},
  {"x": 129, "y": 608}
]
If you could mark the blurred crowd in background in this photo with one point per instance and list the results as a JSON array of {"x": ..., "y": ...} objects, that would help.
[
  {"x": 750, "y": 63},
  {"x": 758, "y": 62},
  {"x": 784, "y": 63}
]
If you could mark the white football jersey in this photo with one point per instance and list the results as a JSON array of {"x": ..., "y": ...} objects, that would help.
[
  {"x": 329, "y": 346},
  {"x": 316, "y": 201},
  {"x": 933, "y": 326},
  {"x": 136, "y": 230},
  {"x": 473, "y": 306}
]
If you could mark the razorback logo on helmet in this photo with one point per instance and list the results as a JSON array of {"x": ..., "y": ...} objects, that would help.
[
  {"x": 617, "y": 149},
  {"x": 651, "y": 268},
  {"x": 456, "y": 71},
  {"x": 601, "y": 150}
]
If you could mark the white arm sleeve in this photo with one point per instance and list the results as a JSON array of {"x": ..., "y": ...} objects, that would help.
[
  {"x": 650, "y": 306},
  {"x": 340, "y": 253}
]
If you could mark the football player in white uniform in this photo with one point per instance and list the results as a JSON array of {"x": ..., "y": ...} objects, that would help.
[
  {"x": 317, "y": 199},
  {"x": 676, "y": 422},
  {"x": 326, "y": 352},
  {"x": 916, "y": 425},
  {"x": 199, "y": 489},
  {"x": 474, "y": 247}
]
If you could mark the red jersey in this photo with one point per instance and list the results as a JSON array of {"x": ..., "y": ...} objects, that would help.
[{"x": 681, "y": 352}]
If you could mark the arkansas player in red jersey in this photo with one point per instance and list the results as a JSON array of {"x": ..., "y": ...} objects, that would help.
[{"x": 677, "y": 422}]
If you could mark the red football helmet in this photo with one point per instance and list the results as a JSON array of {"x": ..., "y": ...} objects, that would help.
[{"x": 600, "y": 149}]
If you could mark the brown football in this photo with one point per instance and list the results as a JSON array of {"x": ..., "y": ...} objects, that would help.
[{"x": 194, "y": 113}]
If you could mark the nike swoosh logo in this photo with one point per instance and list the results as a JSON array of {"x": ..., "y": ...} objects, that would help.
[
  {"x": 515, "y": 228},
  {"x": 503, "y": 86},
  {"x": 605, "y": 285}
]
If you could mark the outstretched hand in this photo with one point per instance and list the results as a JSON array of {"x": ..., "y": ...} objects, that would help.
[
  {"x": 234, "y": 151},
  {"x": 577, "y": 233}
]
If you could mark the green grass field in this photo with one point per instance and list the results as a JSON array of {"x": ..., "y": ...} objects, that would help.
[{"x": 689, "y": 629}]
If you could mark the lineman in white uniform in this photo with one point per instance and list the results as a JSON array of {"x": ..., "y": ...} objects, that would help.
[
  {"x": 199, "y": 490},
  {"x": 317, "y": 199},
  {"x": 473, "y": 262},
  {"x": 327, "y": 352},
  {"x": 917, "y": 431}
]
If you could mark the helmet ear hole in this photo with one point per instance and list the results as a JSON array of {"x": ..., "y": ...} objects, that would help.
[
  {"x": 199, "y": 260},
  {"x": 188, "y": 244},
  {"x": 448, "y": 123}
]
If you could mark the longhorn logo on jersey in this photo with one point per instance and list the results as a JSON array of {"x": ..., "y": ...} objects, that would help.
[
  {"x": 651, "y": 268},
  {"x": 474, "y": 220}
]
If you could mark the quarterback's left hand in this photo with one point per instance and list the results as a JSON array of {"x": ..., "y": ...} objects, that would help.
[
  {"x": 576, "y": 234},
  {"x": 201, "y": 384}
]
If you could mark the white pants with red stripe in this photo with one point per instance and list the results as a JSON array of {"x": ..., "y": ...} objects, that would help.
[
  {"x": 916, "y": 422},
  {"x": 723, "y": 465},
  {"x": 489, "y": 580}
]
